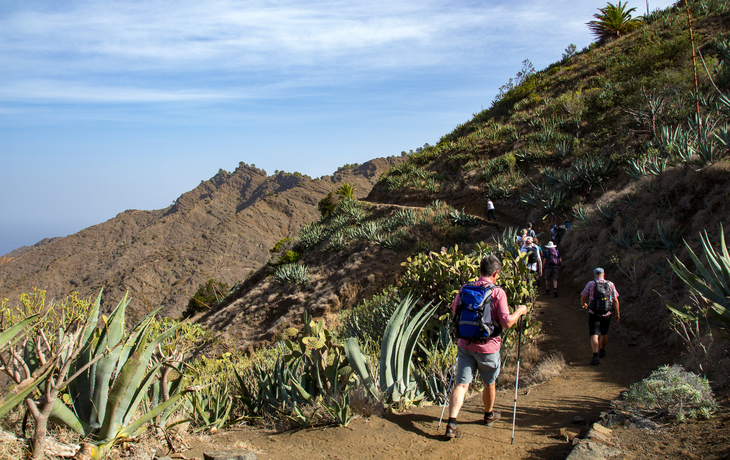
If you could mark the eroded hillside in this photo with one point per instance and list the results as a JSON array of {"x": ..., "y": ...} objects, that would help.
[{"x": 222, "y": 229}]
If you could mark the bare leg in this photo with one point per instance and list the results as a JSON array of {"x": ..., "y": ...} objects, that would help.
[
  {"x": 457, "y": 399},
  {"x": 594, "y": 343},
  {"x": 489, "y": 394},
  {"x": 604, "y": 341}
]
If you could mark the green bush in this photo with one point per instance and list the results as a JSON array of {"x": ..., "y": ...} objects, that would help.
[
  {"x": 673, "y": 393},
  {"x": 206, "y": 297}
]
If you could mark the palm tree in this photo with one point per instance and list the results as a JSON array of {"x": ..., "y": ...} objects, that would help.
[
  {"x": 613, "y": 21},
  {"x": 346, "y": 191}
]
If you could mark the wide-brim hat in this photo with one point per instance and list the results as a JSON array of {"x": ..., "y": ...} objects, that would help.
[{"x": 550, "y": 244}]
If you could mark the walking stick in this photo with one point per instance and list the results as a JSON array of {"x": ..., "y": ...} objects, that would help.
[
  {"x": 517, "y": 377},
  {"x": 453, "y": 371}
]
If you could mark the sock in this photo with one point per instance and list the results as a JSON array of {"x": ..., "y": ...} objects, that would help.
[
  {"x": 452, "y": 421},
  {"x": 489, "y": 414}
]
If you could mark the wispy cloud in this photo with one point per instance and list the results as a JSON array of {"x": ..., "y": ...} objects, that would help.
[{"x": 192, "y": 50}]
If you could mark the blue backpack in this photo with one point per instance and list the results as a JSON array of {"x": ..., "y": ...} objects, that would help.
[{"x": 473, "y": 317}]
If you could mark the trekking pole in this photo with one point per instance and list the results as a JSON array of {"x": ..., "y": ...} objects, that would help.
[
  {"x": 453, "y": 371},
  {"x": 519, "y": 350}
]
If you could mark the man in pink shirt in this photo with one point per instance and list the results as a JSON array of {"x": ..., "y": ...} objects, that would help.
[{"x": 482, "y": 355}]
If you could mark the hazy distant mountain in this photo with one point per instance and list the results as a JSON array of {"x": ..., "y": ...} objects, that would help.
[{"x": 222, "y": 229}]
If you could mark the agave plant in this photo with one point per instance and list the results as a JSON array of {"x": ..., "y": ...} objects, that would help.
[
  {"x": 113, "y": 374},
  {"x": 310, "y": 235},
  {"x": 622, "y": 238},
  {"x": 399, "y": 342},
  {"x": 292, "y": 273}
]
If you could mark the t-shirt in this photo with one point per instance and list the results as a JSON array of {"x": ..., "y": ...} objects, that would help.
[
  {"x": 490, "y": 205},
  {"x": 526, "y": 248},
  {"x": 500, "y": 314},
  {"x": 590, "y": 289}
]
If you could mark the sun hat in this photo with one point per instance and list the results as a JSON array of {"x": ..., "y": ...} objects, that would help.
[
  {"x": 550, "y": 244},
  {"x": 598, "y": 271},
  {"x": 528, "y": 239}
]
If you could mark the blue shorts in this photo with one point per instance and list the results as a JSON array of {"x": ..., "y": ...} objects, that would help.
[{"x": 469, "y": 361}]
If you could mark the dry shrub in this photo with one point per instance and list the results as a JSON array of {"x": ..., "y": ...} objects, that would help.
[
  {"x": 12, "y": 448},
  {"x": 363, "y": 404},
  {"x": 530, "y": 355},
  {"x": 547, "y": 369}
]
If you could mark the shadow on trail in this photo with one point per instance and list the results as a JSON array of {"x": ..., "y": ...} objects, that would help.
[{"x": 420, "y": 424}]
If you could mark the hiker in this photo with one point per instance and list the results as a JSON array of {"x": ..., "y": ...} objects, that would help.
[
  {"x": 490, "y": 210},
  {"x": 481, "y": 353},
  {"x": 601, "y": 299},
  {"x": 552, "y": 231},
  {"x": 566, "y": 225},
  {"x": 552, "y": 262},
  {"x": 522, "y": 239},
  {"x": 534, "y": 263},
  {"x": 560, "y": 232},
  {"x": 530, "y": 231}
]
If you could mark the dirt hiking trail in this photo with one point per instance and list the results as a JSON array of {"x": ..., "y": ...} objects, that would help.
[{"x": 580, "y": 390}]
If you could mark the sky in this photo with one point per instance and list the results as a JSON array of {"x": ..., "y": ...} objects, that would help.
[{"x": 113, "y": 105}]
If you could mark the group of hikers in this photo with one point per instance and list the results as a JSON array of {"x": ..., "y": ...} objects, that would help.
[{"x": 481, "y": 313}]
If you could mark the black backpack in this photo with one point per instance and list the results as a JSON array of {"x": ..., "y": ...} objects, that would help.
[
  {"x": 532, "y": 256},
  {"x": 473, "y": 316},
  {"x": 559, "y": 234},
  {"x": 602, "y": 303}
]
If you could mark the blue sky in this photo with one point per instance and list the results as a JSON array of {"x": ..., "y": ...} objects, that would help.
[{"x": 114, "y": 105}]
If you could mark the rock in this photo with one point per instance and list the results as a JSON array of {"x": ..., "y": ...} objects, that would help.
[
  {"x": 229, "y": 455},
  {"x": 578, "y": 420},
  {"x": 597, "y": 445},
  {"x": 591, "y": 450},
  {"x": 602, "y": 429},
  {"x": 569, "y": 433}
]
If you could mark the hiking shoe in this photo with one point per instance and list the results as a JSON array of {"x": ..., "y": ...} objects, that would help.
[
  {"x": 602, "y": 353},
  {"x": 452, "y": 431},
  {"x": 556, "y": 293},
  {"x": 489, "y": 421},
  {"x": 595, "y": 360},
  {"x": 547, "y": 292}
]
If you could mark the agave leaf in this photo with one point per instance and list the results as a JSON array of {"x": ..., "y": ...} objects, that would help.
[
  {"x": 390, "y": 336},
  {"x": 132, "y": 428},
  {"x": 63, "y": 414},
  {"x": 103, "y": 370},
  {"x": 9, "y": 334},
  {"x": 357, "y": 359},
  {"x": 18, "y": 394},
  {"x": 126, "y": 384}
]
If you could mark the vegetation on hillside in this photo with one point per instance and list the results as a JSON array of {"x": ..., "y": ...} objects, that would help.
[{"x": 614, "y": 137}]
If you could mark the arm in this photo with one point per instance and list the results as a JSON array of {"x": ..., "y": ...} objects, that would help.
[
  {"x": 521, "y": 310},
  {"x": 584, "y": 301},
  {"x": 618, "y": 312}
]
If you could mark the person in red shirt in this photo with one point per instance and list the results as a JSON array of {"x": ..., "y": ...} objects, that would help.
[{"x": 484, "y": 355}]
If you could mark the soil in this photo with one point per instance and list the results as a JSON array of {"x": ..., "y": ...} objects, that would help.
[{"x": 580, "y": 390}]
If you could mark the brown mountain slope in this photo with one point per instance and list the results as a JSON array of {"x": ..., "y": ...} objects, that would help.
[{"x": 222, "y": 229}]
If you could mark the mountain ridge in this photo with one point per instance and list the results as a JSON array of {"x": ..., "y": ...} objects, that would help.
[{"x": 221, "y": 229}]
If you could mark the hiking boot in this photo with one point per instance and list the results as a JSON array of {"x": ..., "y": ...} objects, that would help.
[
  {"x": 595, "y": 360},
  {"x": 452, "y": 431},
  {"x": 489, "y": 421},
  {"x": 602, "y": 354},
  {"x": 547, "y": 292},
  {"x": 556, "y": 293}
]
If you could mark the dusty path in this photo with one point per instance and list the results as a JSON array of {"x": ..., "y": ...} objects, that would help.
[{"x": 581, "y": 389}]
